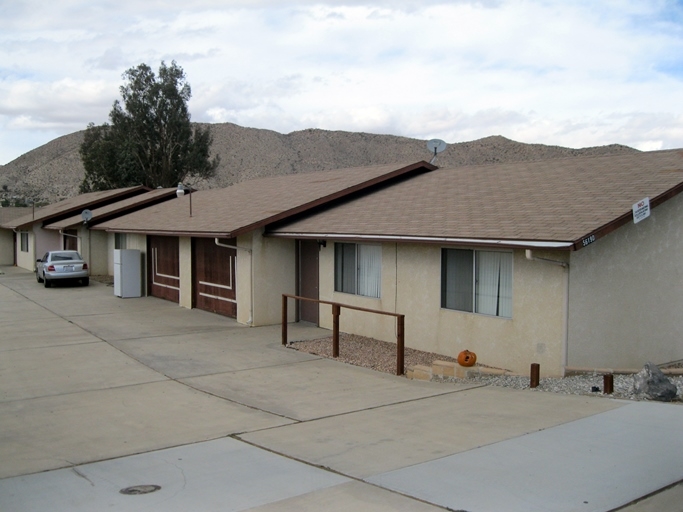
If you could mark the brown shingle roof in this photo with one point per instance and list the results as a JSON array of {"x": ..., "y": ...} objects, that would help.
[
  {"x": 9, "y": 213},
  {"x": 562, "y": 200},
  {"x": 116, "y": 209},
  {"x": 72, "y": 205},
  {"x": 245, "y": 206}
]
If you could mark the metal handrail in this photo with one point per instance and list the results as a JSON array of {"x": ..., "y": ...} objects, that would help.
[{"x": 336, "y": 311}]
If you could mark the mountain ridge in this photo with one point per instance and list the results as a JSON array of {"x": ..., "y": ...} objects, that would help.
[{"x": 54, "y": 171}]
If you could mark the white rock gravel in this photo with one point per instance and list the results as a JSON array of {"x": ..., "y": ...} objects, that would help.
[
  {"x": 588, "y": 384},
  {"x": 381, "y": 356}
]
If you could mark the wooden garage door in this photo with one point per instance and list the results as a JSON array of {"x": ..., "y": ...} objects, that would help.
[
  {"x": 163, "y": 264},
  {"x": 214, "y": 276}
]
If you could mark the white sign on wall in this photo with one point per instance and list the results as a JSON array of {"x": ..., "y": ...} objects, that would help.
[{"x": 641, "y": 210}]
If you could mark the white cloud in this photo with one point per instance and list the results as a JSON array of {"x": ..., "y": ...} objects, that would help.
[{"x": 579, "y": 73}]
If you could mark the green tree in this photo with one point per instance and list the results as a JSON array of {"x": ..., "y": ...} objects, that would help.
[{"x": 149, "y": 139}]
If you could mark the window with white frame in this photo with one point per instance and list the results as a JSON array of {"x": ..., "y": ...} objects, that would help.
[
  {"x": 358, "y": 269},
  {"x": 24, "y": 241},
  {"x": 477, "y": 281}
]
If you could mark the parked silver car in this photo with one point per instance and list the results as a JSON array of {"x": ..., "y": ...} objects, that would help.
[{"x": 60, "y": 266}]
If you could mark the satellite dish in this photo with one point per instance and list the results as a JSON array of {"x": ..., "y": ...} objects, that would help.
[
  {"x": 437, "y": 146},
  {"x": 86, "y": 215}
]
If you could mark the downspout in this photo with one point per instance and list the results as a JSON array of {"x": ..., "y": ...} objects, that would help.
[
  {"x": 251, "y": 268},
  {"x": 565, "y": 341},
  {"x": 530, "y": 256},
  {"x": 565, "y": 350}
]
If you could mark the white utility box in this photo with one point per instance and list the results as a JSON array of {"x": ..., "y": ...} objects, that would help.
[{"x": 127, "y": 273}]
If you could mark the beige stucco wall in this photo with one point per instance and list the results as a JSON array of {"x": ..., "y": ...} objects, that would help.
[
  {"x": 185, "y": 269},
  {"x": 6, "y": 247},
  {"x": 274, "y": 273},
  {"x": 93, "y": 246},
  {"x": 28, "y": 259},
  {"x": 110, "y": 253},
  {"x": 46, "y": 240},
  {"x": 40, "y": 241},
  {"x": 411, "y": 284},
  {"x": 626, "y": 293},
  {"x": 243, "y": 280}
]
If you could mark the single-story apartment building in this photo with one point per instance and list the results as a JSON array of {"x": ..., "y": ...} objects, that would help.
[
  {"x": 207, "y": 250},
  {"x": 66, "y": 225},
  {"x": 552, "y": 262},
  {"x": 8, "y": 238},
  {"x": 96, "y": 246},
  {"x": 36, "y": 241},
  {"x": 566, "y": 262}
]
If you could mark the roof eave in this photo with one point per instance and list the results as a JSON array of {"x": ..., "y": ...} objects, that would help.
[
  {"x": 160, "y": 232},
  {"x": 474, "y": 242}
]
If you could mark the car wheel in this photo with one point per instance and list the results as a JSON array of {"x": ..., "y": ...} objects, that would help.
[
  {"x": 85, "y": 281},
  {"x": 38, "y": 278},
  {"x": 48, "y": 283}
]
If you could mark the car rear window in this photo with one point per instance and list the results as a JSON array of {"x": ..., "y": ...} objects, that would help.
[{"x": 65, "y": 257}]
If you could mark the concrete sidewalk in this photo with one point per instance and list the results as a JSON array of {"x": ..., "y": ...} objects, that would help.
[{"x": 99, "y": 393}]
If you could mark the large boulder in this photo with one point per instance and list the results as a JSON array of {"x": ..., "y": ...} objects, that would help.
[{"x": 653, "y": 384}]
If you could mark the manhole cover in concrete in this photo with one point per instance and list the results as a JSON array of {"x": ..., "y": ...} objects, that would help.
[{"x": 140, "y": 489}]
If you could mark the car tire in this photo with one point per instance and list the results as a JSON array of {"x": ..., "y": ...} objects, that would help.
[
  {"x": 85, "y": 281},
  {"x": 38, "y": 278},
  {"x": 48, "y": 283}
]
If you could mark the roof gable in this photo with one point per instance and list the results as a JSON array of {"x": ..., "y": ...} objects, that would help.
[
  {"x": 73, "y": 205},
  {"x": 552, "y": 203},
  {"x": 113, "y": 210},
  {"x": 249, "y": 205}
]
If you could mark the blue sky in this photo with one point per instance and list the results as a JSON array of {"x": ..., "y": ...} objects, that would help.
[{"x": 570, "y": 73}]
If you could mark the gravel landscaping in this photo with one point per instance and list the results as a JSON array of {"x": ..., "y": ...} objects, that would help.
[
  {"x": 367, "y": 352},
  {"x": 381, "y": 356}
]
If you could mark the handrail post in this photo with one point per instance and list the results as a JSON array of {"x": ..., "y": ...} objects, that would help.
[
  {"x": 284, "y": 320},
  {"x": 400, "y": 344},
  {"x": 534, "y": 377},
  {"x": 336, "y": 310}
]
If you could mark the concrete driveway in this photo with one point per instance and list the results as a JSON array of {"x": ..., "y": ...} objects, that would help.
[{"x": 100, "y": 394}]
